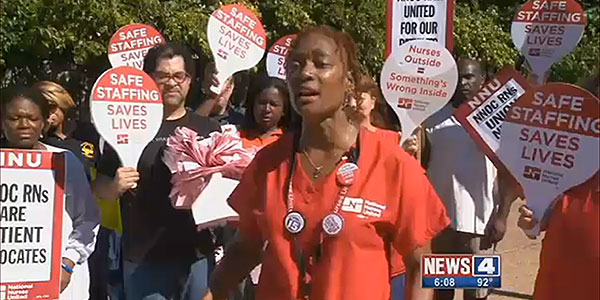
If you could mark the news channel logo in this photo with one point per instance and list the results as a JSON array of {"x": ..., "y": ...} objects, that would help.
[{"x": 441, "y": 271}]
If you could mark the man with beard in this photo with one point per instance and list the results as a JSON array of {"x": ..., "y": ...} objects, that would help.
[{"x": 160, "y": 243}]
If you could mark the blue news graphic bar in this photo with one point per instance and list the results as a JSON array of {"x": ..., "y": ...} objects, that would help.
[{"x": 462, "y": 282}]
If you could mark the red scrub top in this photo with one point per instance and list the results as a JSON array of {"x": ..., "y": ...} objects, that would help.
[
  {"x": 252, "y": 139},
  {"x": 570, "y": 256},
  {"x": 391, "y": 204}
]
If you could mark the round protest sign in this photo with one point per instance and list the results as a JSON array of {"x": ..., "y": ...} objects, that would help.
[
  {"x": 130, "y": 43},
  {"x": 417, "y": 81},
  {"x": 276, "y": 56},
  {"x": 127, "y": 110},
  {"x": 550, "y": 142},
  {"x": 546, "y": 30},
  {"x": 237, "y": 40}
]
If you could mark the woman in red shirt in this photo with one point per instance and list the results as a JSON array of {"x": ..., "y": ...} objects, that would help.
[
  {"x": 380, "y": 119},
  {"x": 377, "y": 114},
  {"x": 324, "y": 206},
  {"x": 570, "y": 256},
  {"x": 268, "y": 112}
]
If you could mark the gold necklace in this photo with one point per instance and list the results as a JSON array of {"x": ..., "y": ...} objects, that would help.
[{"x": 317, "y": 172}]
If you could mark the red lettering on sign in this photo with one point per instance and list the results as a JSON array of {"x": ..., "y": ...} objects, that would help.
[{"x": 135, "y": 124}]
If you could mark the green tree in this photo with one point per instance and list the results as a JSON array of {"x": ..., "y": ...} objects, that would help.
[{"x": 68, "y": 39}]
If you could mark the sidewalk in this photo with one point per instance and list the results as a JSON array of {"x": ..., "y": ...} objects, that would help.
[{"x": 520, "y": 257}]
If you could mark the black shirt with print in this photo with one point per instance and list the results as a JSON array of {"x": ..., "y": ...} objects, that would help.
[
  {"x": 153, "y": 229},
  {"x": 85, "y": 151}
]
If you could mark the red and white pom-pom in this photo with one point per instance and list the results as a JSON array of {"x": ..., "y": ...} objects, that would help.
[{"x": 193, "y": 160}]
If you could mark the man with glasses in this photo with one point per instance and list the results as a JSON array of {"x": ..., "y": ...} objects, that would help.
[{"x": 160, "y": 243}]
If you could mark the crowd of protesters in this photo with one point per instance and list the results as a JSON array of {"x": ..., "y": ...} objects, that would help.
[{"x": 436, "y": 193}]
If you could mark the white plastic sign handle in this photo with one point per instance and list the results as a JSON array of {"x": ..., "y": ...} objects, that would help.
[
  {"x": 127, "y": 110},
  {"x": 417, "y": 81},
  {"x": 237, "y": 40}
]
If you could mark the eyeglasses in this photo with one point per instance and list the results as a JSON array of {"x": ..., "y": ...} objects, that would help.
[{"x": 163, "y": 77}]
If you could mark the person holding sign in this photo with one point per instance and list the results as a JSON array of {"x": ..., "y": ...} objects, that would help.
[
  {"x": 569, "y": 264},
  {"x": 219, "y": 107},
  {"x": 59, "y": 133},
  {"x": 328, "y": 201},
  {"x": 465, "y": 179},
  {"x": 24, "y": 116},
  {"x": 268, "y": 112},
  {"x": 160, "y": 243}
]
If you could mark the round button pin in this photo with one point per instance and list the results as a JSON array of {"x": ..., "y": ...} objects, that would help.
[
  {"x": 294, "y": 222},
  {"x": 333, "y": 224},
  {"x": 346, "y": 174}
]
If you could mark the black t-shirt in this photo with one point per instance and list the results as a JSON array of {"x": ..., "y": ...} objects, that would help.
[
  {"x": 85, "y": 151},
  {"x": 153, "y": 229}
]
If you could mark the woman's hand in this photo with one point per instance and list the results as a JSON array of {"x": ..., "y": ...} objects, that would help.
[
  {"x": 209, "y": 296},
  {"x": 65, "y": 277},
  {"x": 411, "y": 145},
  {"x": 209, "y": 79},
  {"x": 526, "y": 220}
]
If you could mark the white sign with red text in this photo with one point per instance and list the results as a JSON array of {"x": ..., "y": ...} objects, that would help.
[
  {"x": 127, "y": 110},
  {"x": 546, "y": 30},
  {"x": 31, "y": 219},
  {"x": 483, "y": 114},
  {"x": 237, "y": 40},
  {"x": 550, "y": 142},
  {"x": 277, "y": 55},
  {"x": 419, "y": 20},
  {"x": 129, "y": 45},
  {"x": 417, "y": 81}
]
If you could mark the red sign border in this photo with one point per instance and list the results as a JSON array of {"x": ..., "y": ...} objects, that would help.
[
  {"x": 449, "y": 27},
  {"x": 463, "y": 111},
  {"x": 50, "y": 289}
]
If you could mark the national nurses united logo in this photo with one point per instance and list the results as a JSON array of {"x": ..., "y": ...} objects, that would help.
[
  {"x": 532, "y": 173},
  {"x": 122, "y": 139},
  {"x": 363, "y": 208},
  {"x": 405, "y": 103}
]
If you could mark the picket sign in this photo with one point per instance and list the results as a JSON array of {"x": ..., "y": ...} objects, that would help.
[
  {"x": 417, "y": 81},
  {"x": 237, "y": 40},
  {"x": 550, "y": 142},
  {"x": 419, "y": 20},
  {"x": 483, "y": 114},
  {"x": 129, "y": 45},
  {"x": 33, "y": 195},
  {"x": 545, "y": 31},
  {"x": 127, "y": 110},
  {"x": 277, "y": 55}
]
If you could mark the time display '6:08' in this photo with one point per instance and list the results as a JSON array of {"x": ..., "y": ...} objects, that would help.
[{"x": 445, "y": 282}]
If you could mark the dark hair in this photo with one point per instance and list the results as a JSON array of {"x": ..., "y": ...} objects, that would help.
[
  {"x": 168, "y": 51},
  {"x": 30, "y": 95},
  {"x": 263, "y": 82},
  {"x": 382, "y": 115},
  {"x": 478, "y": 63},
  {"x": 346, "y": 47}
]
